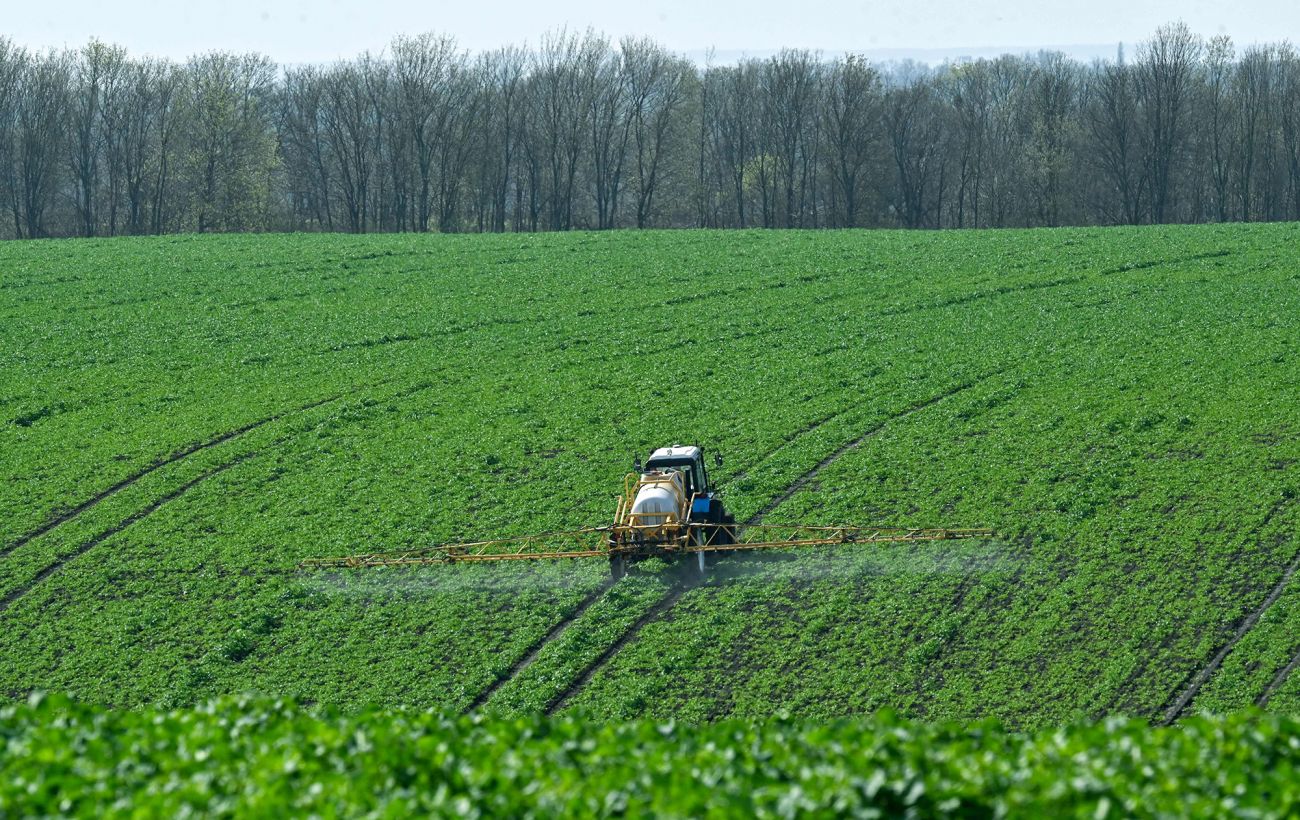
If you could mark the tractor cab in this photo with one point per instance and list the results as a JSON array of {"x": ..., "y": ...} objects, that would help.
[{"x": 689, "y": 461}]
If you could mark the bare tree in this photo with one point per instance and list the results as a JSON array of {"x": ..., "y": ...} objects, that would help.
[
  {"x": 565, "y": 73},
  {"x": 426, "y": 70},
  {"x": 93, "y": 111},
  {"x": 13, "y": 66},
  {"x": 41, "y": 121},
  {"x": 914, "y": 132},
  {"x": 1009, "y": 133},
  {"x": 1290, "y": 122},
  {"x": 969, "y": 93},
  {"x": 1217, "y": 117},
  {"x": 732, "y": 132},
  {"x": 790, "y": 94},
  {"x": 1164, "y": 80},
  {"x": 350, "y": 127},
  {"x": 530, "y": 196},
  {"x": 1054, "y": 94},
  {"x": 1111, "y": 121},
  {"x": 454, "y": 151},
  {"x": 113, "y": 127},
  {"x": 1256, "y": 85},
  {"x": 656, "y": 89},
  {"x": 499, "y": 131},
  {"x": 304, "y": 147},
  {"x": 851, "y": 131},
  {"x": 610, "y": 122},
  {"x": 139, "y": 122},
  {"x": 171, "y": 123}
]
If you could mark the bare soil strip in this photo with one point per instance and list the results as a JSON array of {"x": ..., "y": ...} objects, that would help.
[
  {"x": 68, "y": 515},
  {"x": 1184, "y": 701},
  {"x": 690, "y": 580},
  {"x": 60, "y": 562},
  {"x": 536, "y": 649}
]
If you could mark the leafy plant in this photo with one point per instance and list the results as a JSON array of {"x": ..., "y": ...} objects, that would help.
[{"x": 239, "y": 756}]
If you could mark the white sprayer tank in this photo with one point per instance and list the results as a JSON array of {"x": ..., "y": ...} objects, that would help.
[{"x": 661, "y": 494}]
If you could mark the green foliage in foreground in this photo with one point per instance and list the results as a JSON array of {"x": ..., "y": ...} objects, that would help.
[{"x": 271, "y": 757}]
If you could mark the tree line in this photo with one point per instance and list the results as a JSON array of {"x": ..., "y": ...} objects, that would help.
[{"x": 581, "y": 132}]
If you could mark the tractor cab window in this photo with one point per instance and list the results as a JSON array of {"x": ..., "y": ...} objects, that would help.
[{"x": 692, "y": 473}]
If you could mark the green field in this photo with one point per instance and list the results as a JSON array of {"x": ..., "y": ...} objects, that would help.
[{"x": 183, "y": 419}]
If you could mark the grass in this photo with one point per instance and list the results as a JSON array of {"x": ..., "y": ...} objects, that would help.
[{"x": 183, "y": 419}]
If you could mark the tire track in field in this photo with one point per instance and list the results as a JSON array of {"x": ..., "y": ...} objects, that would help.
[
  {"x": 686, "y": 581},
  {"x": 63, "y": 560},
  {"x": 690, "y": 580},
  {"x": 1280, "y": 678},
  {"x": 536, "y": 649},
  {"x": 1181, "y": 704},
  {"x": 803, "y": 480},
  {"x": 1065, "y": 281},
  {"x": 813, "y": 426},
  {"x": 158, "y": 464},
  {"x": 1175, "y": 260},
  {"x": 179, "y": 491},
  {"x": 992, "y": 293}
]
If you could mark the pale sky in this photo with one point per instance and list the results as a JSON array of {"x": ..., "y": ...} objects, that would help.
[{"x": 300, "y": 31}]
